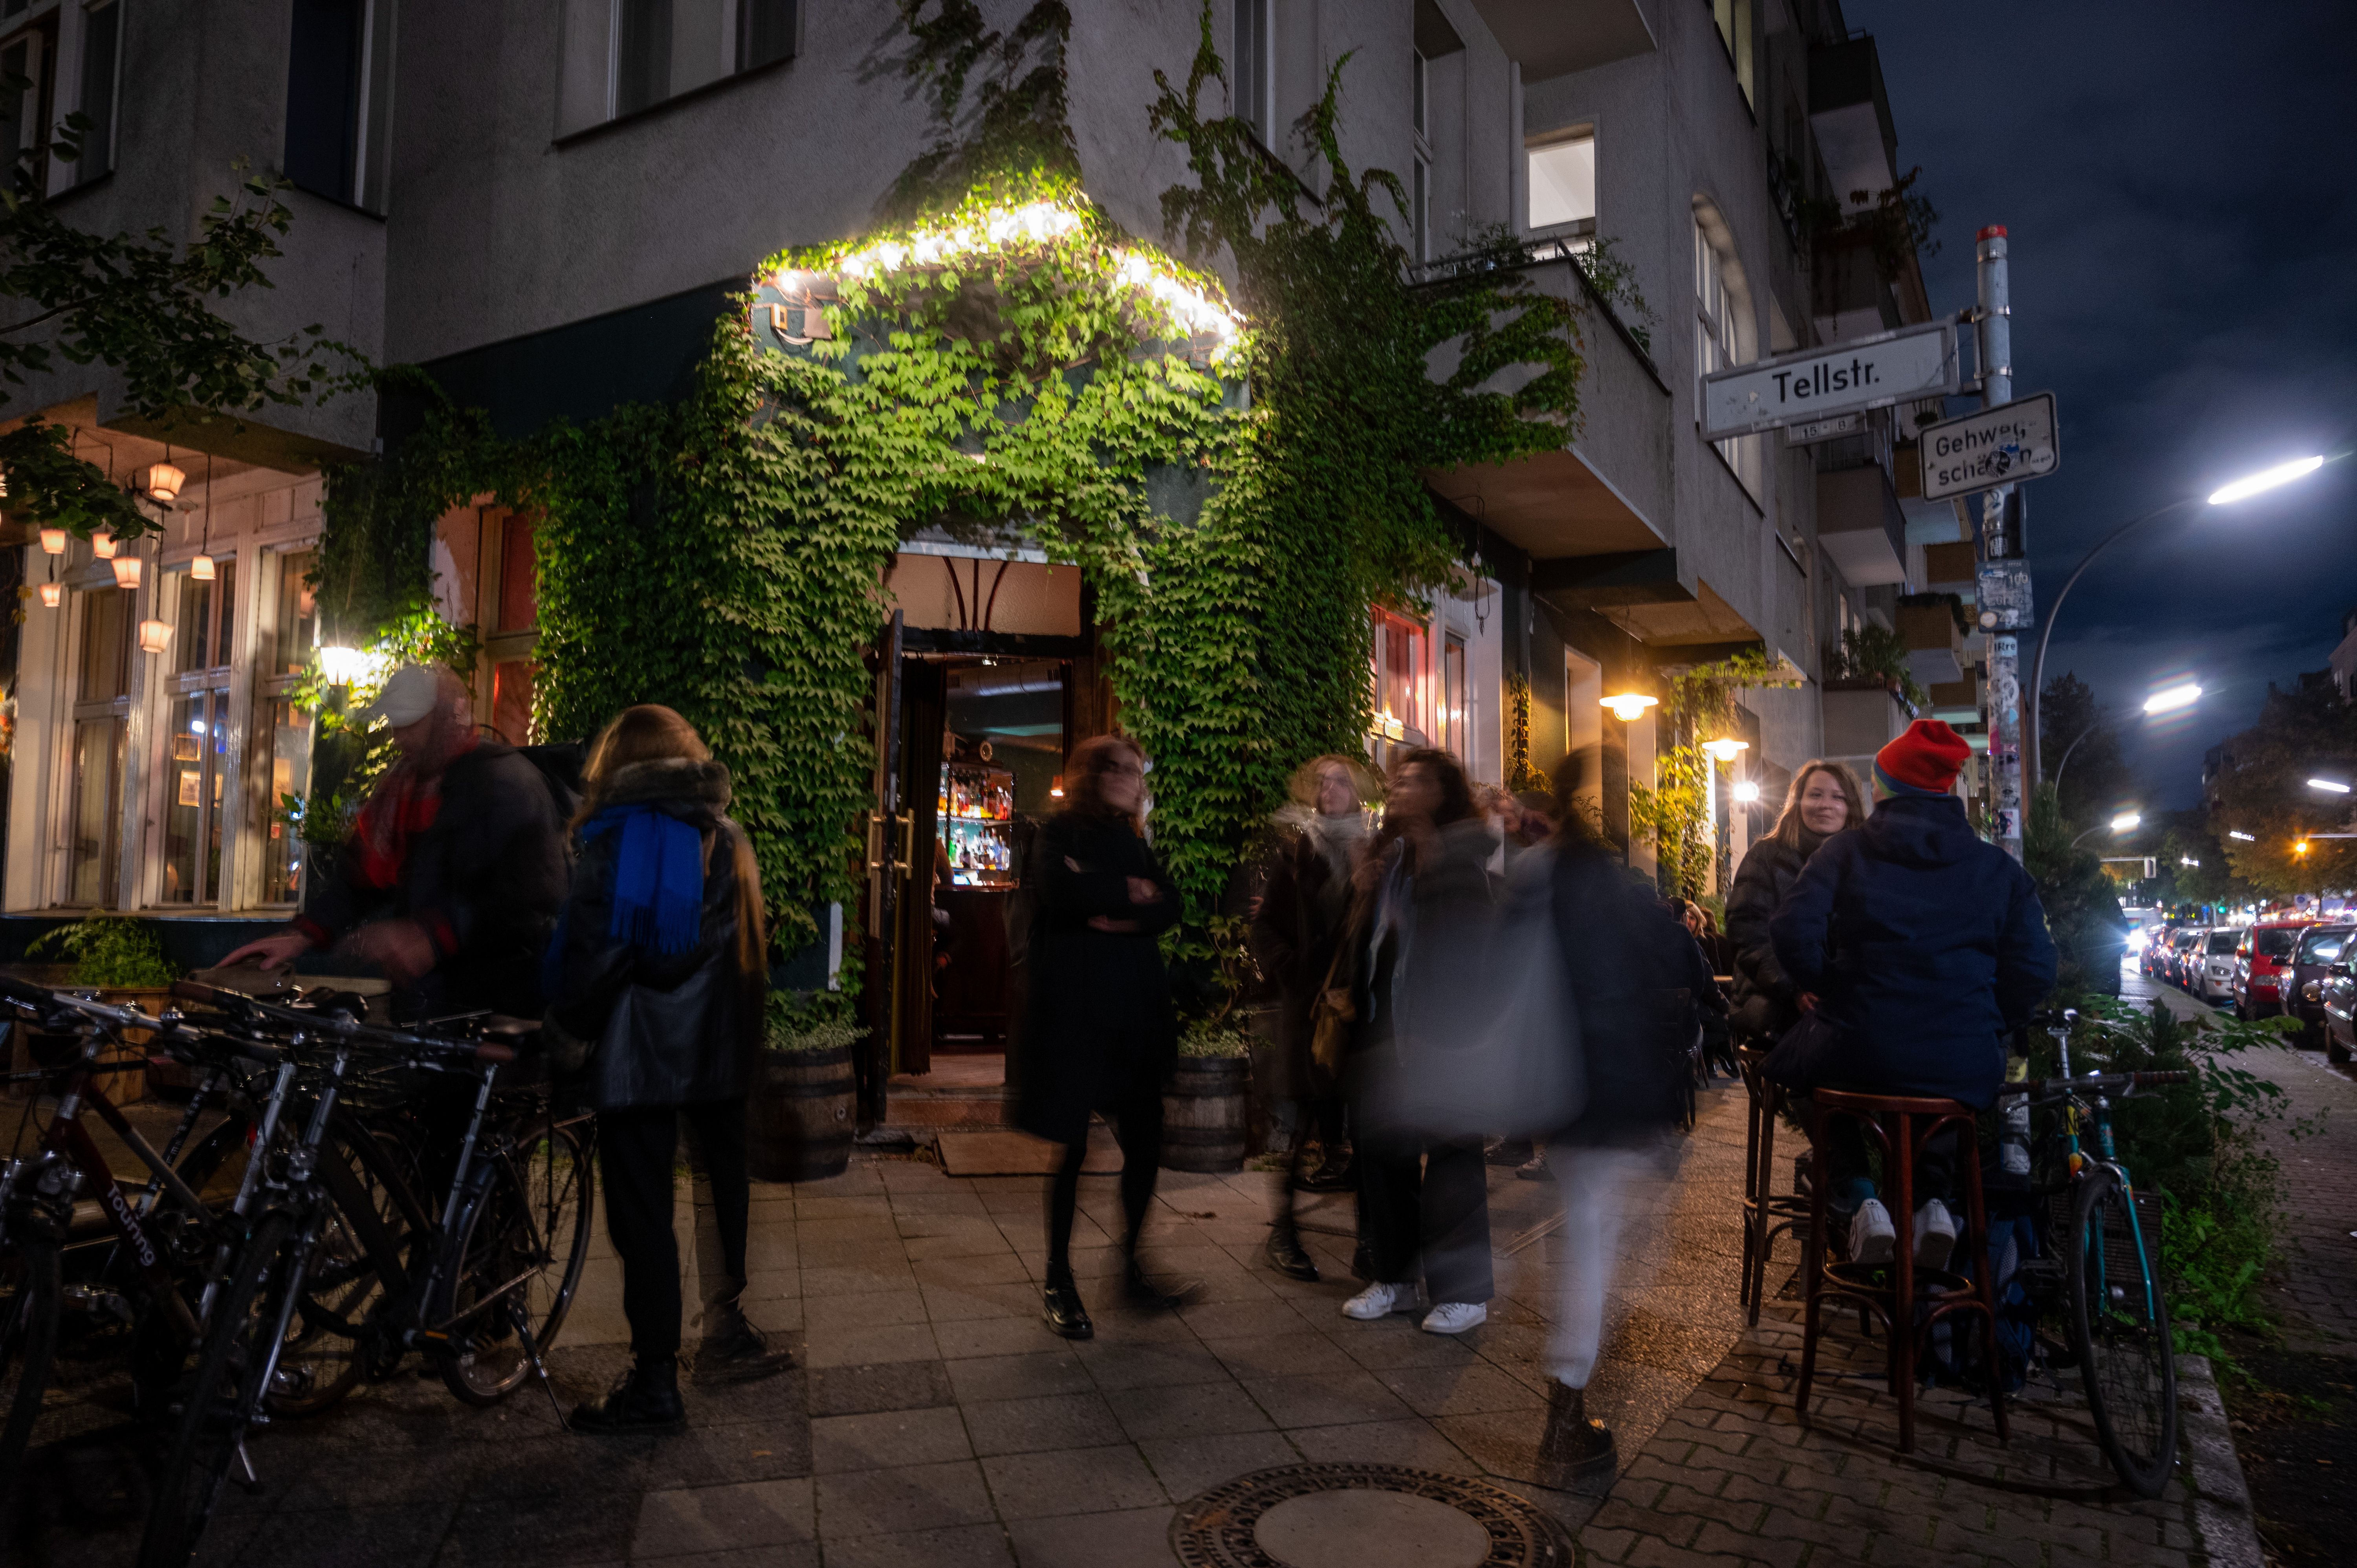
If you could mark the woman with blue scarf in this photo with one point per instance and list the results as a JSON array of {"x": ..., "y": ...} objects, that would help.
[{"x": 658, "y": 978}]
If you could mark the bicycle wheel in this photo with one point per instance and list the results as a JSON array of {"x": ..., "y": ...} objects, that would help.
[
  {"x": 519, "y": 1246},
  {"x": 221, "y": 1404},
  {"x": 2119, "y": 1326},
  {"x": 355, "y": 1259},
  {"x": 29, "y": 1342}
]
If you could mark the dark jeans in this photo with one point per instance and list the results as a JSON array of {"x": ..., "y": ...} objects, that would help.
[
  {"x": 634, "y": 1154},
  {"x": 1137, "y": 1128},
  {"x": 1320, "y": 1117},
  {"x": 1430, "y": 1201},
  {"x": 1847, "y": 1151}
]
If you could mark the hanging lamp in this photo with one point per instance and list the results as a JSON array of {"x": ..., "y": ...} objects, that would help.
[
  {"x": 1630, "y": 707},
  {"x": 53, "y": 540},
  {"x": 201, "y": 569},
  {"x": 53, "y": 592},
  {"x": 155, "y": 632},
  {"x": 165, "y": 479},
  {"x": 102, "y": 543}
]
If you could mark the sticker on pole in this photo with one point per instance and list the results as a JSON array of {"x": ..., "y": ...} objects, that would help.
[
  {"x": 1909, "y": 365},
  {"x": 2001, "y": 445}
]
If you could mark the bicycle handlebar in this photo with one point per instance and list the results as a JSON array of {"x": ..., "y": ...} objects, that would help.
[{"x": 2125, "y": 1083}]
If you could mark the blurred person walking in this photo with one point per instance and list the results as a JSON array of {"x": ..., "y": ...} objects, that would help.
[
  {"x": 1825, "y": 800},
  {"x": 660, "y": 981},
  {"x": 1624, "y": 959},
  {"x": 450, "y": 881},
  {"x": 1298, "y": 929},
  {"x": 1422, "y": 1201},
  {"x": 1101, "y": 1034}
]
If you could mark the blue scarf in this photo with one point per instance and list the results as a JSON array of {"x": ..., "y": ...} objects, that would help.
[{"x": 658, "y": 893}]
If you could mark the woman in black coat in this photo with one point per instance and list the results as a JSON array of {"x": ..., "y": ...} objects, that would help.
[
  {"x": 1101, "y": 1034},
  {"x": 1825, "y": 800},
  {"x": 660, "y": 986}
]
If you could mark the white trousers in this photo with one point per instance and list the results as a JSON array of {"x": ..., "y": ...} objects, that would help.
[{"x": 1594, "y": 1185}]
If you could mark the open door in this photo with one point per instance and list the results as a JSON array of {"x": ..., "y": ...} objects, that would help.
[
  {"x": 922, "y": 689},
  {"x": 889, "y": 835}
]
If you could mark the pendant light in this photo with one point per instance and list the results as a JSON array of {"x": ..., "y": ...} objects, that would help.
[
  {"x": 102, "y": 543},
  {"x": 53, "y": 540},
  {"x": 126, "y": 571},
  {"x": 154, "y": 633},
  {"x": 201, "y": 569},
  {"x": 53, "y": 592},
  {"x": 1630, "y": 707},
  {"x": 165, "y": 480}
]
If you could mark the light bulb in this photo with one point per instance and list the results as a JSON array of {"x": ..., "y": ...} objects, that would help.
[{"x": 1630, "y": 707}]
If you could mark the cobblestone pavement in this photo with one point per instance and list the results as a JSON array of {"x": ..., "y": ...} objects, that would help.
[{"x": 935, "y": 1421}]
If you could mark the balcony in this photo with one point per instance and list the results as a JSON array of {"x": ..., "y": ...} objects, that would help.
[
  {"x": 1861, "y": 719},
  {"x": 1934, "y": 641},
  {"x": 1850, "y": 110},
  {"x": 1860, "y": 526},
  {"x": 1555, "y": 38}
]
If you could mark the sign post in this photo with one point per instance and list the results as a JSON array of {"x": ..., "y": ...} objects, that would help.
[
  {"x": 1910, "y": 365},
  {"x": 2003, "y": 589}
]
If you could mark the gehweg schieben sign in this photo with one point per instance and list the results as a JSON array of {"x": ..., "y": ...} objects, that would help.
[{"x": 1906, "y": 366}]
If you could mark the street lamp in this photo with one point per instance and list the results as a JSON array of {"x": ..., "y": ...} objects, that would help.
[
  {"x": 1630, "y": 707},
  {"x": 2125, "y": 823},
  {"x": 2328, "y": 785},
  {"x": 2170, "y": 699},
  {"x": 2225, "y": 494},
  {"x": 2239, "y": 834}
]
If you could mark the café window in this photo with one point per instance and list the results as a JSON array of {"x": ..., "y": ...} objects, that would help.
[
  {"x": 1403, "y": 680},
  {"x": 196, "y": 752},
  {"x": 623, "y": 56},
  {"x": 282, "y": 729},
  {"x": 1453, "y": 706},
  {"x": 514, "y": 629},
  {"x": 102, "y": 706}
]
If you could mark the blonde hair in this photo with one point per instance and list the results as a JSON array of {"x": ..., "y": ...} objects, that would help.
[
  {"x": 1789, "y": 826},
  {"x": 652, "y": 733},
  {"x": 1084, "y": 773},
  {"x": 1310, "y": 777}
]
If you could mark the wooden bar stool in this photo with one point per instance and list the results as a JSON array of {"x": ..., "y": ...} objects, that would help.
[
  {"x": 1900, "y": 1126},
  {"x": 1767, "y": 1213}
]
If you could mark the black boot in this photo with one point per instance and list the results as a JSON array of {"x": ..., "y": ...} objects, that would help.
[
  {"x": 1285, "y": 1254},
  {"x": 734, "y": 1351},
  {"x": 1334, "y": 1173},
  {"x": 1064, "y": 1311},
  {"x": 1573, "y": 1445},
  {"x": 1139, "y": 1291},
  {"x": 646, "y": 1400}
]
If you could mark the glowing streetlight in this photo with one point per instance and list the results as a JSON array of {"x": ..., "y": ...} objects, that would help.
[
  {"x": 2238, "y": 833},
  {"x": 1747, "y": 792},
  {"x": 1725, "y": 750},
  {"x": 2126, "y": 821},
  {"x": 2328, "y": 785},
  {"x": 2264, "y": 479},
  {"x": 1630, "y": 707},
  {"x": 2300, "y": 848},
  {"x": 2170, "y": 699}
]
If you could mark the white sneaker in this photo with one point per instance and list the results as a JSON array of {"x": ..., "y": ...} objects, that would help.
[
  {"x": 1871, "y": 1237},
  {"x": 1935, "y": 1235},
  {"x": 1455, "y": 1318},
  {"x": 1379, "y": 1301}
]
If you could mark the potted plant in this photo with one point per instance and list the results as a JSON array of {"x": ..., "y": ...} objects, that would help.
[
  {"x": 121, "y": 959},
  {"x": 1206, "y": 1105},
  {"x": 801, "y": 1112}
]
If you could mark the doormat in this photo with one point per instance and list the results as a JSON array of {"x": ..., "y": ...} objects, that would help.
[
  {"x": 1003, "y": 1151},
  {"x": 1364, "y": 1516}
]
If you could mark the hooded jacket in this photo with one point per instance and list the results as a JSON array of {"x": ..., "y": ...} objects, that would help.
[
  {"x": 1925, "y": 946},
  {"x": 668, "y": 1028}
]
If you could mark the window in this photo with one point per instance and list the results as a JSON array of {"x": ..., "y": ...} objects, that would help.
[
  {"x": 1252, "y": 82},
  {"x": 1420, "y": 212},
  {"x": 1452, "y": 733},
  {"x": 1725, "y": 334},
  {"x": 28, "y": 73},
  {"x": 196, "y": 739},
  {"x": 294, "y": 631},
  {"x": 623, "y": 56},
  {"x": 101, "y": 704},
  {"x": 1403, "y": 679},
  {"x": 1563, "y": 183},
  {"x": 515, "y": 622},
  {"x": 340, "y": 99},
  {"x": 1733, "y": 19},
  {"x": 1420, "y": 99},
  {"x": 2323, "y": 947},
  {"x": 101, "y": 47}
]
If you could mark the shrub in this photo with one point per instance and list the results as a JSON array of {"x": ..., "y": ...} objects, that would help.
[{"x": 110, "y": 951}]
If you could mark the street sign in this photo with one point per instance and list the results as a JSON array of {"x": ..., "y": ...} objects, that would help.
[
  {"x": 1824, "y": 429},
  {"x": 2000, "y": 445},
  {"x": 1906, "y": 366}
]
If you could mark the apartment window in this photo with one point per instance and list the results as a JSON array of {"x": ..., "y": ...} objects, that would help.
[
  {"x": 101, "y": 705},
  {"x": 340, "y": 99},
  {"x": 515, "y": 623},
  {"x": 1403, "y": 675},
  {"x": 29, "y": 75},
  {"x": 102, "y": 50},
  {"x": 1733, "y": 19},
  {"x": 1563, "y": 183},
  {"x": 1252, "y": 80},
  {"x": 623, "y": 56},
  {"x": 1451, "y": 719},
  {"x": 1725, "y": 334},
  {"x": 1420, "y": 101},
  {"x": 1420, "y": 211}
]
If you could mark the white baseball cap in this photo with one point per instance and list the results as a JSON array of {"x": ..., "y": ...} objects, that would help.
[{"x": 410, "y": 694}]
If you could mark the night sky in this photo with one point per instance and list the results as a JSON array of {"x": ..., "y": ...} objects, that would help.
[{"x": 2176, "y": 183}]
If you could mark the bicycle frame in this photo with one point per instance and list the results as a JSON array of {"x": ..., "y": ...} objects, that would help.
[{"x": 2072, "y": 1108}]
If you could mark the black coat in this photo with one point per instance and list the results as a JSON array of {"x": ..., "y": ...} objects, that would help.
[
  {"x": 1627, "y": 959},
  {"x": 485, "y": 882},
  {"x": 1763, "y": 1002},
  {"x": 1099, "y": 1032},
  {"x": 1304, "y": 909},
  {"x": 1926, "y": 947},
  {"x": 663, "y": 1028}
]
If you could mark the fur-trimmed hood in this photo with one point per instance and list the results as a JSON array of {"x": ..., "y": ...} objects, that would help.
[{"x": 668, "y": 779}]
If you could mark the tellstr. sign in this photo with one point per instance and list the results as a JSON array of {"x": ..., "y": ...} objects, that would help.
[
  {"x": 2000, "y": 445},
  {"x": 1905, "y": 366}
]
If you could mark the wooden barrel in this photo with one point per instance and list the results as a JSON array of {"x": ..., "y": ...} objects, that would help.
[
  {"x": 1203, "y": 1113},
  {"x": 800, "y": 1115}
]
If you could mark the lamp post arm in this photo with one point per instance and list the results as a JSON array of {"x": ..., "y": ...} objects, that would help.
[
  {"x": 2038, "y": 663},
  {"x": 2067, "y": 750}
]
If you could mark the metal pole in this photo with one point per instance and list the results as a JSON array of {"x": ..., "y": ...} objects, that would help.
[{"x": 2004, "y": 579}]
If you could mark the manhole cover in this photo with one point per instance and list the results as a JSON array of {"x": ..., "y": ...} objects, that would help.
[{"x": 1364, "y": 1516}]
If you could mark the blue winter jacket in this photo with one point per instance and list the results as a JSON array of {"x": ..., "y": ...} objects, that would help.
[{"x": 1925, "y": 946}]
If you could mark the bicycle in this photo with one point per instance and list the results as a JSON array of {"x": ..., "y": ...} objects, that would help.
[
  {"x": 484, "y": 1301},
  {"x": 2117, "y": 1312}
]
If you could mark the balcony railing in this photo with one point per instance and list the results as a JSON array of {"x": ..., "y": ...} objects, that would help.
[{"x": 1571, "y": 249}]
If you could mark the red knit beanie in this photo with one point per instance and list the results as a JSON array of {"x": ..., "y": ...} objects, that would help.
[{"x": 1923, "y": 761}]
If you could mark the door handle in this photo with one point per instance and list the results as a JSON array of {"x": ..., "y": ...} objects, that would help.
[
  {"x": 876, "y": 845},
  {"x": 904, "y": 862}
]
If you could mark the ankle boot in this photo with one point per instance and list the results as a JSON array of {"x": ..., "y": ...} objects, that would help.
[
  {"x": 1139, "y": 1291},
  {"x": 1286, "y": 1255},
  {"x": 645, "y": 1399},
  {"x": 733, "y": 1350},
  {"x": 1573, "y": 1445},
  {"x": 1063, "y": 1311}
]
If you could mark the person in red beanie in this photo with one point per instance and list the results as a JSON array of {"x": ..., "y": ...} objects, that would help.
[{"x": 1918, "y": 949}]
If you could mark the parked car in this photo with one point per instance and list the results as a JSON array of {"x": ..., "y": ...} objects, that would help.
[
  {"x": 2173, "y": 966},
  {"x": 2319, "y": 949},
  {"x": 2340, "y": 994},
  {"x": 2261, "y": 965},
  {"x": 2161, "y": 951},
  {"x": 2209, "y": 963}
]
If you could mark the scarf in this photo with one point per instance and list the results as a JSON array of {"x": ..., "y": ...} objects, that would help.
[{"x": 658, "y": 893}]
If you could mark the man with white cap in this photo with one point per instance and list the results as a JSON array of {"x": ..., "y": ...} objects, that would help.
[{"x": 454, "y": 869}]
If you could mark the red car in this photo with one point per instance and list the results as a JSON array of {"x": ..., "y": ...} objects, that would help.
[{"x": 2263, "y": 967}]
